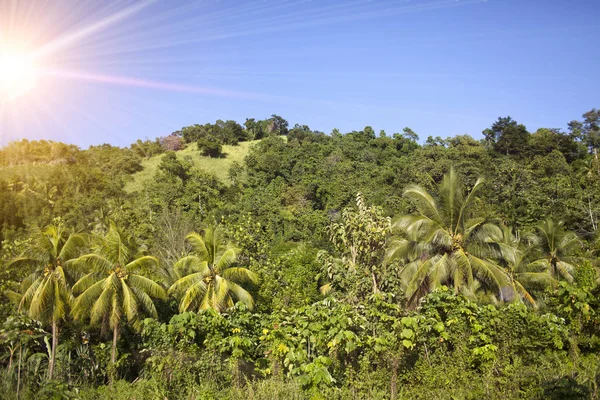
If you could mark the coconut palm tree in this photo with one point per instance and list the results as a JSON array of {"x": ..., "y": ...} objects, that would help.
[
  {"x": 524, "y": 276},
  {"x": 207, "y": 278},
  {"x": 444, "y": 244},
  {"x": 114, "y": 289},
  {"x": 46, "y": 293},
  {"x": 555, "y": 247}
]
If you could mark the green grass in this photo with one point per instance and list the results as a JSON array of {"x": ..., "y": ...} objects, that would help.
[{"x": 216, "y": 166}]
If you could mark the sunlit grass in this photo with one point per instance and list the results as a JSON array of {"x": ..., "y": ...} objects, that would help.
[{"x": 216, "y": 166}]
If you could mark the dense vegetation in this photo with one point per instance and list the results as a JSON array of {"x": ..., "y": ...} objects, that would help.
[{"x": 318, "y": 266}]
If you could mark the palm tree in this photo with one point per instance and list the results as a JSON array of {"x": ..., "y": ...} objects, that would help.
[
  {"x": 555, "y": 247},
  {"x": 443, "y": 244},
  {"x": 113, "y": 289},
  {"x": 207, "y": 278},
  {"x": 46, "y": 293},
  {"x": 524, "y": 276}
]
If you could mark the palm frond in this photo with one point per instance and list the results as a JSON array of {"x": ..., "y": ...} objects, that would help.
[
  {"x": 141, "y": 263},
  {"x": 116, "y": 312},
  {"x": 25, "y": 261},
  {"x": 452, "y": 199},
  {"x": 102, "y": 306},
  {"x": 242, "y": 295},
  {"x": 187, "y": 281},
  {"x": 197, "y": 242},
  {"x": 539, "y": 265},
  {"x": 93, "y": 262},
  {"x": 13, "y": 296},
  {"x": 148, "y": 286},
  {"x": 59, "y": 303},
  {"x": 29, "y": 293},
  {"x": 145, "y": 301},
  {"x": 424, "y": 202},
  {"x": 188, "y": 265},
  {"x": 463, "y": 268},
  {"x": 113, "y": 248},
  {"x": 524, "y": 294},
  {"x": 221, "y": 293},
  {"x": 87, "y": 299},
  {"x": 491, "y": 274},
  {"x": 419, "y": 282},
  {"x": 565, "y": 270},
  {"x": 227, "y": 258},
  {"x": 40, "y": 307},
  {"x": 240, "y": 275},
  {"x": 467, "y": 203},
  {"x": 539, "y": 280},
  {"x": 192, "y": 296},
  {"x": 130, "y": 304},
  {"x": 72, "y": 247},
  {"x": 84, "y": 283}
]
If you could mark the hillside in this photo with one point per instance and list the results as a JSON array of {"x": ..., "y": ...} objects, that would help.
[{"x": 216, "y": 166}]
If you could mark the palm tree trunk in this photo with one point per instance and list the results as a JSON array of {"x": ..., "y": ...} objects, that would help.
[
  {"x": 394, "y": 380},
  {"x": 19, "y": 371},
  {"x": 53, "y": 349},
  {"x": 10, "y": 359},
  {"x": 113, "y": 357},
  {"x": 375, "y": 288}
]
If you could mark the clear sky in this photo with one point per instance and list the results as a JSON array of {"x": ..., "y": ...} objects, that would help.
[{"x": 116, "y": 71}]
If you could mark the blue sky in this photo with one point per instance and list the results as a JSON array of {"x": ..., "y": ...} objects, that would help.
[{"x": 439, "y": 67}]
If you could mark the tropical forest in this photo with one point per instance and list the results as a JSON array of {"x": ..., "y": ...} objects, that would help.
[{"x": 268, "y": 261}]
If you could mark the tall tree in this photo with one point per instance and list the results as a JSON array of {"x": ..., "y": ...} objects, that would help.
[
  {"x": 208, "y": 277},
  {"x": 506, "y": 136},
  {"x": 46, "y": 293},
  {"x": 114, "y": 288},
  {"x": 444, "y": 242}
]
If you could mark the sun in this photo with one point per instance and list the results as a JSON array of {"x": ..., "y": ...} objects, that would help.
[{"x": 18, "y": 74}]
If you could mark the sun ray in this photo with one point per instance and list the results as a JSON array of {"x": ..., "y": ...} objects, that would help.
[
  {"x": 69, "y": 39},
  {"x": 150, "y": 84}
]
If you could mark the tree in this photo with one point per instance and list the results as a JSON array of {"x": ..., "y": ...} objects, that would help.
[
  {"x": 410, "y": 134},
  {"x": 46, "y": 293},
  {"x": 508, "y": 137},
  {"x": 588, "y": 131},
  {"x": 276, "y": 125},
  {"x": 360, "y": 237},
  {"x": 445, "y": 243},
  {"x": 253, "y": 129},
  {"x": 172, "y": 142},
  {"x": 555, "y": 246},
  {"x": 524, "y": 277},
  {"x": 170, "y": 165},
  {"x": 208, "y": 278},
  {"x": 114, "y": 288},
  {"x": 210, "y": 146}
]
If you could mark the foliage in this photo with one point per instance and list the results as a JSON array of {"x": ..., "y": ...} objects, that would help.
[
  {"x": 447, "y": 243},
  {"x": 278, "y": 280},
  {"x": 209, "y": 277}
]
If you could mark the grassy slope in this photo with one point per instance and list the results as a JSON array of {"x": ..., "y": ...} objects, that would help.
[{"x": 216, "y": 166}]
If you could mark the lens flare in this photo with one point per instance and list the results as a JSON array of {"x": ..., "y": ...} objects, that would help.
[{"x": 18, "y": 75}]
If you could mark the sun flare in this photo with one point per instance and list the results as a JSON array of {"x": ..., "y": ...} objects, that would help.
[{"x": 18, "y": 75}]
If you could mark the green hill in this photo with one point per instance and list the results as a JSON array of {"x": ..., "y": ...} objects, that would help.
[{"x": 216, "y": 166}]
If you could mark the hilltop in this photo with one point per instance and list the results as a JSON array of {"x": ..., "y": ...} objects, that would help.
[{"x": 218, "y": 166}]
